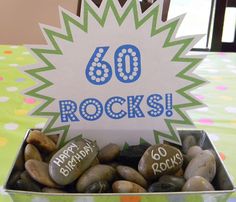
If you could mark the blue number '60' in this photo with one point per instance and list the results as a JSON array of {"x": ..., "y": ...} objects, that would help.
[{"x": 127, "y": 61}]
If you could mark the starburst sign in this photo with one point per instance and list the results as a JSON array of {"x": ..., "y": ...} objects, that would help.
[{"x": 115, "y": 74}]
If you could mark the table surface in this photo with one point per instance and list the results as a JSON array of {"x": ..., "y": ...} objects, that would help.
[{"x": 218, "y": 118}]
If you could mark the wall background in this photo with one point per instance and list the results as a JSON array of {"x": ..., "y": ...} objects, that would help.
[{"x": 19, "y": 19}]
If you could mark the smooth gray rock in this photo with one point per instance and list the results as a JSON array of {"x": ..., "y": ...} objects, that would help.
[
  {"x": 197, "y": 183},
  {"x": 188, "y": 142},
  {"x": 203, "y": 165}
]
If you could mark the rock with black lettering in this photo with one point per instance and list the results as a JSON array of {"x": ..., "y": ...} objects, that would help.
[
  {"x": 204, "y": 165},
  {"x": 158, "y": 160},
  {"x": 72, "y": 160}
]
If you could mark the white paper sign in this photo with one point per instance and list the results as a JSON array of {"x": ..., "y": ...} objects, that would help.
[{"x": 115, "y": 74}]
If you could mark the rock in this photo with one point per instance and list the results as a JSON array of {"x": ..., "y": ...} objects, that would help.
[
  {"x": 54, "y": 138},
  {"x": 179, "y": 173},
  {"x": 31, "y": 152},
  {"x": 19, "y": 164},
  {"x": 131, "y": 175},
  {"x": 158, "y": 160},
  {"x": 188, "y": 142},
  {"x": 197, "y": 183},
  {"x": 41, "y": 141},
  {"x": 203, "y": 165},
  {"x": 96, "y": 173},
  {"x": 52, "y": 190},
  {"x": 95, "y": 162},
  {"x": 15, "y": 175},
  {"x": 163, "y": 187},
  {"x": 109, "y": 153},
  {"x": 33, "y": 185},
  {"x": 72, "y": 160},
  {"x": 177, "y": 181},
  {"x": 131, "y": 155},
  {"x": 194, "y": 151},
  {"x": 123, "y": 186},
  {"x": 98, "y": 187},
  {"x": 187, "y": 159},
  {"x": 38, "y": 170}
]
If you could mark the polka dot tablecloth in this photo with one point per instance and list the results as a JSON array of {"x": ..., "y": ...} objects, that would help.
[{"x": 218, "y": 118}]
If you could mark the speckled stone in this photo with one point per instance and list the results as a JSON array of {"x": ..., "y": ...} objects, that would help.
[
  {"x": 158, "y": 160},
  {"x": 123, "y": 186},
  {"x": 131, "y": 175}
]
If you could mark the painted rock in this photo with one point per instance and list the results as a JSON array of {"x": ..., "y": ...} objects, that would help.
[
  {"x": 197, "y": 183},
  {"x": 163, "y": 187},
  {"x": 194, "y": 151},
  {"x": 31, "y": 152},
  {"x": 94, "y": 174},
  {"x": 132, "y": 175},
  {"x": 68, "y": 163},
  {"x": 123, "y": 186},
  {"x": 41, "y": 141},
  {"x": 203, "y": 165},
  {"x": 38, "y": 170},
  {"x": 98, "y": 187},
  {"x": 188, "y": 142},
  {"x": 158, "y": 160},
  {"x": 109, "y": 153},
  {"x": 131, "y": 155},
  {"x": 177, "y": 181}
]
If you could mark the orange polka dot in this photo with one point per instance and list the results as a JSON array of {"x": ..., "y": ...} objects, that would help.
[
  {"x": 21, "y": 112},
  {"x": 233, "y": 122},
  {"x": 130, "y": 198},
  {"x": 3, "y": 141},
  {"x": 222, "y": 156},
  {"x": 7, "y": 52}
]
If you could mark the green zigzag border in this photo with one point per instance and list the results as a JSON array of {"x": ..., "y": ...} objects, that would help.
[{"x": 152, "y": 13}]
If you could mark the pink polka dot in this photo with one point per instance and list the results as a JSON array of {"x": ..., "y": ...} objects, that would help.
[
  {"x": 200, "y": 97},
  {"x": 206, "y": 121},
  {"x": 30, "y": 100},
  {"x": 221, "y": 53},
  {"x": 221, "y": 87},
  {"x": 1, "y": 78}
]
